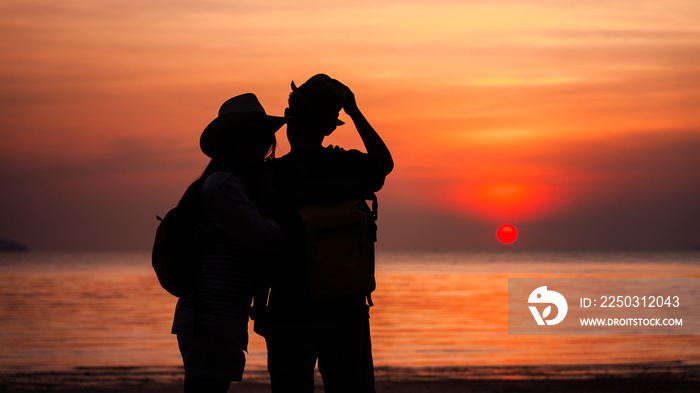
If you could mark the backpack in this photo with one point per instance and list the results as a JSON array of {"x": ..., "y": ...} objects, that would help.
[
  {"x": 175, "y": 250},
  {"x": 330, "y": 226},
  {"x": 339, "y": 239}
]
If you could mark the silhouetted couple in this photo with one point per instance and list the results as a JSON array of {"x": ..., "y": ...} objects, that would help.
[{"x": 258, "y": 217}]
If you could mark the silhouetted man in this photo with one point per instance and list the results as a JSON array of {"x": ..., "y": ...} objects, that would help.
[{"x": 304, "y": 327}]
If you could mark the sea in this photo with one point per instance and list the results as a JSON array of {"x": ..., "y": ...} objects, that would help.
[{"x": 75, "y": 310}]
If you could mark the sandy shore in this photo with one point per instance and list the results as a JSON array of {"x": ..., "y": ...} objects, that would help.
[{"x": 647, "y": 377}]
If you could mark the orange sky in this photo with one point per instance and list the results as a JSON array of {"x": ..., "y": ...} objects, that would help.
[{"x": 576, "y": 121}]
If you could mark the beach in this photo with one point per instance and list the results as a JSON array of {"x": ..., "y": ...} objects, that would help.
[{"x": 643, "y": 377}]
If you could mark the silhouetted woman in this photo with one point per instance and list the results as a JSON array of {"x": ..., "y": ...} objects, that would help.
[{"x": 212, "y": 323}]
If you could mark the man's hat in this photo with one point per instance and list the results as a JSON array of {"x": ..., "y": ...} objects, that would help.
[
  {"x": 323, "y": 96},
  {"x": 233, "y": 114}
]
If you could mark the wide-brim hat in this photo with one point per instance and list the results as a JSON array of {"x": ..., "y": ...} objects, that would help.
[
  {"x": 234, "y": 115},
  {"x": 323, "y": 95}
]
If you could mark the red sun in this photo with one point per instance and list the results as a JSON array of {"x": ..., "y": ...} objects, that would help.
[{"x": 507, "y": 233}]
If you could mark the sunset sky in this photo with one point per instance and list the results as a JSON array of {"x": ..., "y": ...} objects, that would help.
[{"x": 576, "y": 121}]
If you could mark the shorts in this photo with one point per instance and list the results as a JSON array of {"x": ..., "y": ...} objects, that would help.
[
  {"x": 208, "y": 355},
  {"x": 211, "y": 346}
]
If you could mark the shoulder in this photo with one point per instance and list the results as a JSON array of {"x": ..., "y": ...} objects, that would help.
[
  {"x": 352, "y": 158},
  {"x": 222, "y": 182},
  {"x": 217, "y": 178},
  {"x": 339, "y": 151},
  {"x": 358, "y": 165},
  {"x": 336, "y": 153},
  {"x": 284, "y": 162}
]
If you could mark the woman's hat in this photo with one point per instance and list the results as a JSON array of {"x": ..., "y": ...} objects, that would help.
[
  {"x": 233, "y": 115},
  {"x": 322, "y": 95}
]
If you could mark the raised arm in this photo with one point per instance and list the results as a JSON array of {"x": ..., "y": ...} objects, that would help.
[{"x": 374, "y": 144}]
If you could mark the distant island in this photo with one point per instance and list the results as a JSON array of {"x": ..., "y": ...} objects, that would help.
[{"x": 8, "y": 245}]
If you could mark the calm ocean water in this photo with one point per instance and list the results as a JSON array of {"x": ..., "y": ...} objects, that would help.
[{"x": 61, "y": 311}]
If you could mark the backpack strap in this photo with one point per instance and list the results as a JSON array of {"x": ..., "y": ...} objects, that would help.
[{"x": 373, "y": 197}]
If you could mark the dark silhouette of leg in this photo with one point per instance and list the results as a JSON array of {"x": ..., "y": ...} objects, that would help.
[
  {"x": 291, "y": 357},
  {"x": 345, "y": 357}
]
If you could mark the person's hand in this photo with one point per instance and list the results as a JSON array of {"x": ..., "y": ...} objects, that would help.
[
  {"x": 350, "y": 105},
  {"x": 335, "y": 148}
]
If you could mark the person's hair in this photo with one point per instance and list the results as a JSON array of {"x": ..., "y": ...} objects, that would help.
[{"x": 270, "y": 155}]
